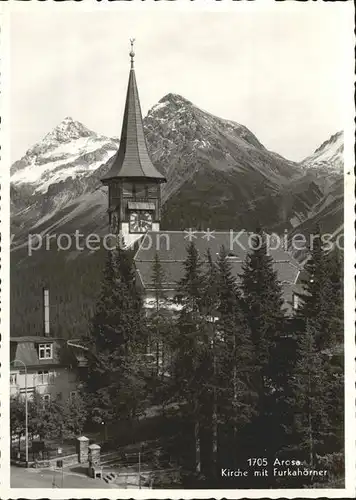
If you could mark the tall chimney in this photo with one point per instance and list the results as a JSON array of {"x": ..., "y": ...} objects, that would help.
[{"x": 46, "y": 312}]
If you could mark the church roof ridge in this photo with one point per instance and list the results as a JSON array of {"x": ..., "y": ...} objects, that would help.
[
  {"x": 132, "y": 159},
  {"x": 164, "y": 231}
]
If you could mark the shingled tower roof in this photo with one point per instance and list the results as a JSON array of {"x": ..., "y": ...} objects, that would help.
[{"x": 132, "y": 160}]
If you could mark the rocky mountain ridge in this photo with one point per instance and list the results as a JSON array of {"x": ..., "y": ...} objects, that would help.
[
  {"x": 69, "y": 150},
  {"x": 218, "y": 175},
  {"x": 329, "y": 155}
]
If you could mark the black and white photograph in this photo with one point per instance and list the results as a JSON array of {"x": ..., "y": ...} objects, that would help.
[{"x": 181, "y": 294}]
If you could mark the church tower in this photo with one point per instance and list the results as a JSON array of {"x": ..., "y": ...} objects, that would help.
[{"x": 133, "y": 181}]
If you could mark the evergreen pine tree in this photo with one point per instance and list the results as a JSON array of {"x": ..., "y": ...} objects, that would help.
[
  {"x": 331, "y": 316},
  {"x": 210, "y": 389},
  {"x": 162, "y": 332},
  {"x": 317, "y": 380},
  {"x": 331, "y": 345},
  {"x": 309, "y": 400},
  {"x": 117, "y": 342},
  {"x": 262, "y": 295},
  {"x": 190, "y": 346},
  {"x": 190, "y": 287},
  {"x": 313, "y": 284},
  {"x": 331, "y": 456},
  {"x": 235, "y": 356},
  {"x": 263, "y": 302},
  {"x": 158, "y": 320},
  {"x": 322, "y": 296},
  {"x": 158, "y": 277}
]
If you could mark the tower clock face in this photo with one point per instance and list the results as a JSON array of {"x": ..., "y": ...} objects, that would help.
[{"x": 140, "y": 221}]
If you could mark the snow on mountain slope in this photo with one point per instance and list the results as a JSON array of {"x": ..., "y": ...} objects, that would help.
[
  {"x": 326, "y": 165},
  {"x": 329, "y": 156},
  {"x": 218, "y": 175},
  {"x": 69, "y": 150}
]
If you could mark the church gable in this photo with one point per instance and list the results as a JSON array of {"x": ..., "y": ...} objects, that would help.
[{"x": 134, "y": 208}]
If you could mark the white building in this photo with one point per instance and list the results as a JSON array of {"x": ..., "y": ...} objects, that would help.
[{"x": 42, "y": 364}]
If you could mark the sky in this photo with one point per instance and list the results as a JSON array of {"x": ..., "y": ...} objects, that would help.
[{"x": 281, "y": 74}]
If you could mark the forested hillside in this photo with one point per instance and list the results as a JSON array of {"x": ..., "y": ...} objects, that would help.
[{"x": 74, "y": 283}]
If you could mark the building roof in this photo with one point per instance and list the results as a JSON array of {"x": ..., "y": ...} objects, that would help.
[
  {"x": 171, "y": 249},
  {"x": 132, "y": 160},
  {"x": 27, "y": 352},
  {"x": 26, "y": 349},
  {"x": 33, "y": 338}
]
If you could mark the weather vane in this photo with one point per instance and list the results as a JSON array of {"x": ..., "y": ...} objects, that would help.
[{"x": 132, "y": 53}]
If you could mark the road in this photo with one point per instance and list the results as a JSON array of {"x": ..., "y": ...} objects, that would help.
[{"x": 47, "y": 478}]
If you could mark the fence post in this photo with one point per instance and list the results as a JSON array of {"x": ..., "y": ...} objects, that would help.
[{"x": 82, "y": 449}]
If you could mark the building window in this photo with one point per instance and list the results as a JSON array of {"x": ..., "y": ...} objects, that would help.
[
  {"x": 45, "y": 351},
  {"x": 46, "y": 399},
  {"x": 72, "y": 395},
  {"x": 44, "y": 377},
  {"x": 13, "y": 378},
  {"x": 30, "y": 392}
]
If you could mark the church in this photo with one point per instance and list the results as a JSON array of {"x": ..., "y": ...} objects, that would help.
[{"x": 134, "y": 209}]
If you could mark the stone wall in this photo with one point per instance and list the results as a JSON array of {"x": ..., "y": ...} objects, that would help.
[{"x": 67, "y": 460}]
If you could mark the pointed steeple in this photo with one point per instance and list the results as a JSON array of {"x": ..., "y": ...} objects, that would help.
[
  {"x": 132, "y": 160},
  {"x": 132, "y": 53}
]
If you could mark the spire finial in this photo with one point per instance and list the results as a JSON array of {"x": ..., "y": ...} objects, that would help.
[{"x": 132, "y": 53}]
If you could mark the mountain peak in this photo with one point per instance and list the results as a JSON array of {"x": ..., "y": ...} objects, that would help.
[
  {"x": 183, "y": 122},
  {"x": 329, "y": 155},
  {"x": 332, "y": 140},
  {"x": 175, "y": 99},
  {"x": 170, "y": 102},
  {"x": 67, "y": 130}
]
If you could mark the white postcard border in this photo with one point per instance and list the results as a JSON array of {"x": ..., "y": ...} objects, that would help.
[{"x": 349, "y": 255}]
